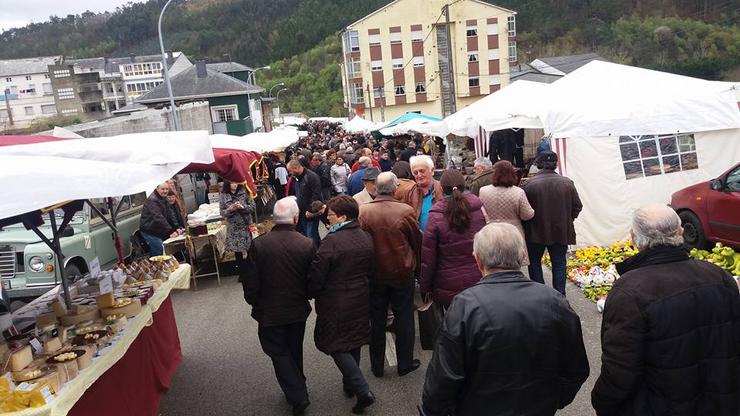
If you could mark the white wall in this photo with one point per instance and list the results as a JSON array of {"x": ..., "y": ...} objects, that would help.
[{"x": 595, "y": 165}]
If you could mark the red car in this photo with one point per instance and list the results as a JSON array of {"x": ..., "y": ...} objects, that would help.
[{"x": 710, "y": 211}]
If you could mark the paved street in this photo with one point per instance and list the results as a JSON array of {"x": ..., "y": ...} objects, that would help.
[{"x": 224, "y": 371}]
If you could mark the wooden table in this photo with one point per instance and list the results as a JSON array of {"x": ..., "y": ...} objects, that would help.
[{"x": 216, "y": 238}]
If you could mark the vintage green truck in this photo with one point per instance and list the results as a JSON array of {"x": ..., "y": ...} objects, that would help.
[{"x": 28, "y": 267}]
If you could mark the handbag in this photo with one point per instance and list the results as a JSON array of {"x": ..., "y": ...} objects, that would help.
[{"x": 430, "y": 318}]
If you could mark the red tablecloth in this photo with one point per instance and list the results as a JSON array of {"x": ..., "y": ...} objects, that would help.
[{"x": 134, "y": 385}]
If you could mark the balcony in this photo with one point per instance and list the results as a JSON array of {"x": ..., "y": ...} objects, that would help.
[{"x": 91, "y": 96}]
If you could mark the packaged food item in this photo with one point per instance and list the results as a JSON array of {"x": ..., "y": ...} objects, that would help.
[{"x": 21, "y": 358}]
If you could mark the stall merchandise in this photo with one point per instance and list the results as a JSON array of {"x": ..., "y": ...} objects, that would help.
[
  {"x": 59, "y": 379},
  {"x": 721, "y": 256}
]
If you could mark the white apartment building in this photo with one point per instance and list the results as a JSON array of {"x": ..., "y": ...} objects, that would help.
[{"x": 25, "y": 90}]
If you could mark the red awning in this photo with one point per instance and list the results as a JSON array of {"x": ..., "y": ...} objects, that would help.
[
  {"x": 16, "y": 140},
  {"x": 234, "y": 165}
]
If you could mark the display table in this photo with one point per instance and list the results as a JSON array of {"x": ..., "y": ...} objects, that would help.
[
  {"x": 216, "y": 238},
  {"x": 129, "y": 377}
]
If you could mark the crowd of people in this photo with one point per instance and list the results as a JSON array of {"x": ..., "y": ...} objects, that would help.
[{"x": 506, "y": 343}]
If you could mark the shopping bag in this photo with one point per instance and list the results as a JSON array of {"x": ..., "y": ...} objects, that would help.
[{"x": 430, "y": 317}]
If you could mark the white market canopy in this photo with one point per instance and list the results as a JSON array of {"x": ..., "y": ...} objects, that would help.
[
  {"x": 274, "y": 141},
  {"x": 417, "y": 125},
  {"x": 39, "y": 175},
  {"x": 604, "y": 99},
  {"x": 514, "y": 106},
  {"x": 359, "y": 125}
]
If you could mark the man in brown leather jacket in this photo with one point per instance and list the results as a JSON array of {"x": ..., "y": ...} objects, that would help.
[
  {"x": 397, "y": 240},
  {"x": 425, "y": 193}
]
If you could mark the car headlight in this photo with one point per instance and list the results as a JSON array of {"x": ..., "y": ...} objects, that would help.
[{"x": 36, "y": 263}]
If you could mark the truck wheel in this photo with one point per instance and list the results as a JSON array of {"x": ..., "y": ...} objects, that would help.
[
  {"x": 693, "y": 233},
  {"x": 72, "y": 273}
]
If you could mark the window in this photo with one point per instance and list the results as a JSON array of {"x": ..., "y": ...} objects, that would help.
[
  {"x": 511, "y": 25},
  {"x": 28, "y": 77},
  {"x": 47, "y": 88},
  {"x": 657, "y": 155},
  {"x": 378, "y": 92},
  {"x": 493, "y": 55},
  {"x": 356, "y": 94},
  {"x": 472, "y": 56},
  {"x": 494, "y": 80},
  {"x": 352, "y": 41},
  {"x": 225, "y": 113},
  {"x": 395, "y": 37},
  {"x": 398, "y": 63},
  {"x": 29, "y": 111},
  {"x": 471, "y": 31},
  {"x": 48, "y": 109},
  {"x": 473, "y": 82},
  {"x": 70, "y": 111},
  {"x": 418, "y": 61},
  {"x": 421, "y": 88},
  {"x": 150, "y": 68},
  {"x": 512, "y": 51},
  {"x": 376, "y": 65},
  {"x": 732, "y": 183},
  {"x": 61, "y": 73},
  {"x": 8, "y": 79},
  {"x": 66, "y": 93},
  {"x": 416, "y": 36},
  {"x": 400, "y": 90},
  {"x": 353, "y": 68},
  {"x": 46, "y": 76},
  {"x": 138, "y": 88},
  {"x": 374, "y": 39},
  {"x": 493, "y": 28}
]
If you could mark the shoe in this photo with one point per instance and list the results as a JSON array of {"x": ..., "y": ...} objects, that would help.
[
  {"x": 348, "y": 393},
  {"x": 299, "y": 409},
  {"x": 363, "y": 403},
  {"x": 377, "y": 372},
  {"x": 414, "y": 365}
]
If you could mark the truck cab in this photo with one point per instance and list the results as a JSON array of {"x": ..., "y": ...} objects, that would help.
[{"x": 28, "y": 267}]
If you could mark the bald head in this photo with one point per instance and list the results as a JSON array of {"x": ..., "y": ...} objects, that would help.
[
  {"x": 386, "y": 183},
  {"x": 656, "y": 225},
  {"x": 285, "y": 211},
  {"x": 365, "y": 161}
]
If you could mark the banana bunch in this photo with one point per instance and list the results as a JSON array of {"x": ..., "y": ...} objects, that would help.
[{"x": 721, "y": 256}]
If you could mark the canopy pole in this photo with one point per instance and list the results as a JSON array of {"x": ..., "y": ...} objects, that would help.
[
  {"x": 116, "y": 237},
  {"x": 57, "y": 248}
]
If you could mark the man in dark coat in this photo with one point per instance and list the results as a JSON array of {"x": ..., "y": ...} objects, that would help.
[
  {"x": 307, "y": 189},
  {"x": 483, "y": 175},
  {"x": 508, "y": 345},
  {"x": 408, "y": 152},
  {"x": 556, "y": 205},
  {"x": 397, "y": 242},
  {"x": 671, "y": 330},
  {"x": 155, "y": 225},
  {"x": 275, "y": 285}
]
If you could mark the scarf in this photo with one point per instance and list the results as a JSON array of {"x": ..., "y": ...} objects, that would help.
[
  {"x": 338, "y": 226},
  {"x": 652, "y": 256}
]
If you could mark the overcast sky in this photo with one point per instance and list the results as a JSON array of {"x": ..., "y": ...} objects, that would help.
[{"x": 17, "y": 13}]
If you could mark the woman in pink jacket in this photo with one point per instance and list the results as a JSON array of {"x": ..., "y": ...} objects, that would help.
[{"x": 447, "y": 263}]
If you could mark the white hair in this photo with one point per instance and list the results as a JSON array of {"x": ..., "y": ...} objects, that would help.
[
  {"x": 499, "y": 245},
  {"x": 656, "y": 225},
  {"x": 483, "y": 161},
  {"x": 418, "y": 160},
  {"x": 386, "y": 183},
  {"x": 285, "y": 211},
  {"x": 365, "y": 161}
]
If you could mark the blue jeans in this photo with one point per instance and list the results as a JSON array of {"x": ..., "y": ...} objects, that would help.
[
  {"x": 156, "y": 248},
  {"x": 557, "y": 256},
  {"x": 311, "y": 230}
]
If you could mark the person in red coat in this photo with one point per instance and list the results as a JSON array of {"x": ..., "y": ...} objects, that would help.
[{"x": 447, "y": 263}]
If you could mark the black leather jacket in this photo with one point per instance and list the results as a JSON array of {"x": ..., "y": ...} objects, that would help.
[{"x": 507, "y": 346}]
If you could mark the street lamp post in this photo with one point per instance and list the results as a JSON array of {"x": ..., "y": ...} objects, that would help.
[
  {"x": 281, "y": 84},
  {"x": 175, "y": 116},
  {"x": 277, "y": 97},
  {"x": 254, "y": 78}
]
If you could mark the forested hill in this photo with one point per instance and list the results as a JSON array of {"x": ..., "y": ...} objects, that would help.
[{"x": 299, "y": 38}]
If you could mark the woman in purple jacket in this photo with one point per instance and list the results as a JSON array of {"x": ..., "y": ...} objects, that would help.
[{"x": 447, "y": 263}]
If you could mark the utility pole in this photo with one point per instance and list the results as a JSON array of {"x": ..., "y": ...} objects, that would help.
[
  {"x": 369, "y": 98},
  {"x": 175, "y": 116},
  {"x": 452, "y": 96},
  {"x": 7, "y": 106},
  {"x": 382, "y": 104}
]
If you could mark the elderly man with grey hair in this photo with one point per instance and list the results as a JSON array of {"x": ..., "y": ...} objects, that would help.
[
  {"x": 355, "y": 184},
  {"x": 425, "y": 192},
  {"x": 276, "y": 287},
  {"x": 507, "y": 345},
  {"x": 671, "y": 329},
  {"x": 482, "y": 175},
  {"x": 397, "y": 242}
]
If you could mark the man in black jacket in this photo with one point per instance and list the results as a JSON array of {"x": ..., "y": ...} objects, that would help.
[
  {"x": 276, "y": 285},
  {"x": 556, "y": 205},
  {"x": 508, "y": 345},
  {"x": 671, "y": 329},
  {"x": 155, "y": 225},
  {"x": 307, "y": 190}
]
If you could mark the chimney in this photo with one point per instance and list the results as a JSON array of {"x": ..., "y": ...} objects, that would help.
[
  {"x": 200, "y": 69},
  {"x": 170, "y": 57},
  {"x": 132, "y": 57}
]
